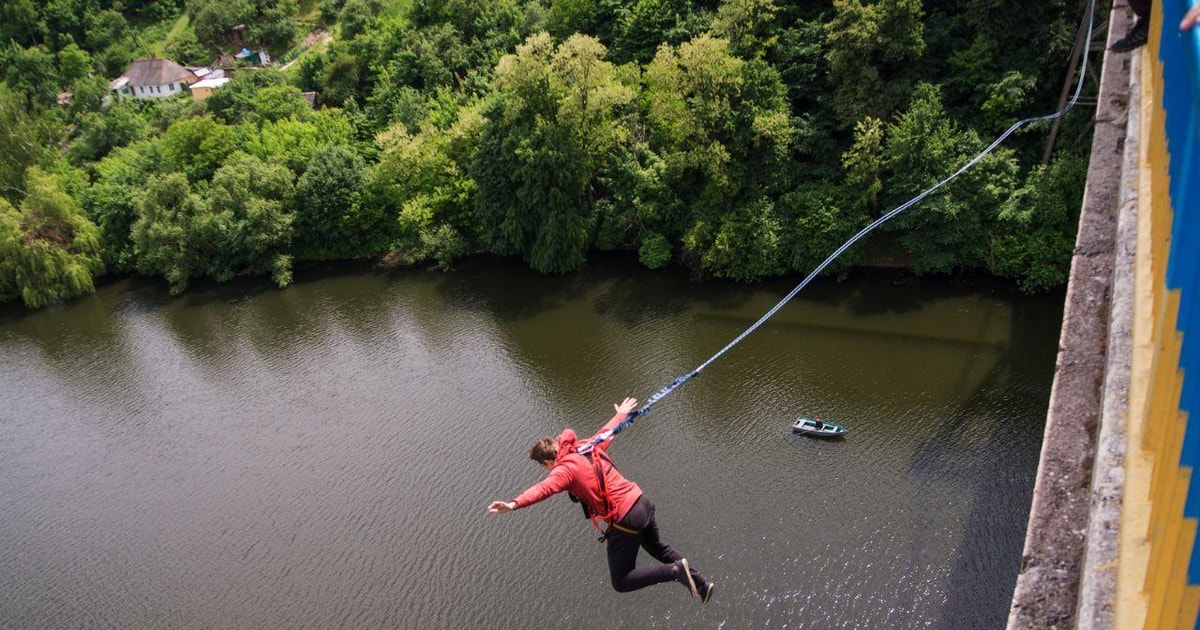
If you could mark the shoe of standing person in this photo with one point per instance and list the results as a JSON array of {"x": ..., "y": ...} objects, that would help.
[{"x": 1135, "y": 38}]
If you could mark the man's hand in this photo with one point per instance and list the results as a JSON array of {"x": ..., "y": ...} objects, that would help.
[
  {"x": 626, "y": 406},
  {"x": 1190, "y": 19},
  {"x": 500, "y": 507}
]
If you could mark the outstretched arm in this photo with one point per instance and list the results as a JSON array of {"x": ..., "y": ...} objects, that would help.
[
  {"x": 623, "y": 410},
  {"x": 500, "y": 507},
  {"x": 555, "y": 482}
]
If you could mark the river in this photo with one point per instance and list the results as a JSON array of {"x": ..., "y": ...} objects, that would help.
[{"x": 322, "y": 456}]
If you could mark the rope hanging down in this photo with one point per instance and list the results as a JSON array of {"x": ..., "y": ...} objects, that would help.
[{"x": 1089, "y": 17}]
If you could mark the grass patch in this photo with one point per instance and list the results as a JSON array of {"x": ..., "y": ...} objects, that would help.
[
  {"x": 307, "y": 10},
  {"x": 154, "y": 38},
  {"x": 393, "y": 8}
]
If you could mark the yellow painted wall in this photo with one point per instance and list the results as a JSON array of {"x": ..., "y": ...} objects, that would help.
[{"x": 1156, "y": 541}]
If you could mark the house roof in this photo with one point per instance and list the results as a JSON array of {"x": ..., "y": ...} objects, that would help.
[{"x": 156, "y": 71}]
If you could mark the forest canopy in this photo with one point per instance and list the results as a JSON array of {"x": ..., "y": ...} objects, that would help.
[{"x": 740, "y": 139}]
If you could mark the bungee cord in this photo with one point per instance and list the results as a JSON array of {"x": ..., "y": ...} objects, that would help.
[{"x": 660, "y": 394}]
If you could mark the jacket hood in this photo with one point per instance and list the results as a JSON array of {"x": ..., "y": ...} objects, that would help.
[{"x": 567, "y": 440}]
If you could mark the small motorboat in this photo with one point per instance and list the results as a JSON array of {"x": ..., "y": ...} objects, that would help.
[{"x": 815, "y": 427}]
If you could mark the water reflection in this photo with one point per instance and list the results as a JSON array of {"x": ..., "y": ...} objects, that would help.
[{"x": 242, "y": 456}]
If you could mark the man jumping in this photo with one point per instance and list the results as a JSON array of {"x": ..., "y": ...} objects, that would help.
[{"x": 608, "y": 496}]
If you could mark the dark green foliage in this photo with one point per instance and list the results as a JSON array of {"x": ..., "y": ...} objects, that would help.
[
  {"x": 100, "y": 132},
  {"x": 947, "y": 231},
  {"x": 326, "y": 196},
  {"x": 242, "y": 225},
  {"x": 29, "y": 140},
  {"x": 168, "y": 230},
  {"x": 73, "y": 64},
  {"x": 112, "y": 200},
  {"x": 49, "y": 251},
  {"x": 815, "y": 219},
  {"x": 1036, "y": 232},
  {"x": 197, "y": 146},
  {"x": 742, "y": 138},
  {"x": 31, "y": 72},
  {"x": 214, "y": 19},
  {"x": 356, "y": 16},
  {"x": 235, "y": 101},
  {"x": 872, "y": 50},
  {"x": 655, "y": 251},
  {"x": 20, "y": 23}
]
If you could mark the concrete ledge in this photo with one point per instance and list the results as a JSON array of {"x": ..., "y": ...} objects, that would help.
[
  {"x": 1047, "y": 590},
  {"x": 1098, "y": 580}
]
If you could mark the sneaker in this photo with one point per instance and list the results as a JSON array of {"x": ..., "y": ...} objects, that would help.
[
  {"x": 1135, "y": 38},
  {"x": 704, "y": 587},
  {"x": 684, "y": 575}
]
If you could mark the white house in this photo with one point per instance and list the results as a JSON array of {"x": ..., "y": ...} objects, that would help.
[{"x": 153, "y": 78}]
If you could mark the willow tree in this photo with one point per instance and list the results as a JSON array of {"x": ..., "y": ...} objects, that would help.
[{"x": 49, "y": 251}]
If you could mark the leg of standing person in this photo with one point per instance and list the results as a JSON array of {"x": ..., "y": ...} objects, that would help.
[{"x": 1139, "y": 33}]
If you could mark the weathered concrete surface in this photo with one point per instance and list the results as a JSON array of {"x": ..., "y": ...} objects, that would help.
[
  {"x": 1046, "y": 595},
  {"x": 1098, "y": 577}
]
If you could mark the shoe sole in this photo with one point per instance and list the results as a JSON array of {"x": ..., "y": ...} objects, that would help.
[
  {"x": 708, "y": 593},
  {"x": 687, "y": 572}
]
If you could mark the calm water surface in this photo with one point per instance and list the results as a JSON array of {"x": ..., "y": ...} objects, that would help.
[{"x": 322, "y": 456}]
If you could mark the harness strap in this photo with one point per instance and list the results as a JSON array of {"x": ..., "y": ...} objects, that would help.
[{"x": 598, "y": 457}]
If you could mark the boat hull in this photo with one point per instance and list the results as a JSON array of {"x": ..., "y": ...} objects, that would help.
[{"x": 816, "y": 428}]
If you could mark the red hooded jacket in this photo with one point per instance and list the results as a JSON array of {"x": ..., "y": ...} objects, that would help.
[{"x": 576, "y": 474}]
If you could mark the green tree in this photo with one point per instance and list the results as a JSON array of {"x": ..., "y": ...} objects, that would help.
[
  {"x": 32, "y": 73},
  {"x": 817, "y": 218},
  {"x": 560, "y": 115},
  {"x": 748, "y": 26},
  {"x": 73, "y": 63},
  {"x": 721, "y": 127},
  {"x": 111, "y": 201},
  {"x": 237, "y": 101},
  {"x": 326, "y": 197},
  {"x": 242, "y": 225},
  {"x": 872, "y": 52},
  {"x": 356, "y": 17},
  {"x": 293, "y": 142},
  {"x": 214, "y": 20},
  {"x": 49, "y": 251},
  {"x": 948, "y": 230},
  {"x": 279, "y": 102},
  {"x": 20, "y": 23},
  {"x": 863, "y": 163},
  {"x": 101, "y": 132},
  {"x": 25, "y": 140},
  {"x": 197, "y": 146},
  {"x": 167, "y": 233},
  {"x": 424, "y": 181},
  {"x": 248, "y": 203},
  {"x": 1035, "y": 236},
  {"x": 275, "y": 26}
]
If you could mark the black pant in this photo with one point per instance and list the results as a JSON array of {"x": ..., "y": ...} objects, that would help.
[
  {"x": 623, "y": 550},
  {"x": 1141, "y": 8}
]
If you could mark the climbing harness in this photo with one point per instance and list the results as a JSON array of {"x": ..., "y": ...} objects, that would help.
[
  {"x": 598, "y": 457},
  {"x": 660, "y": 394}
]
